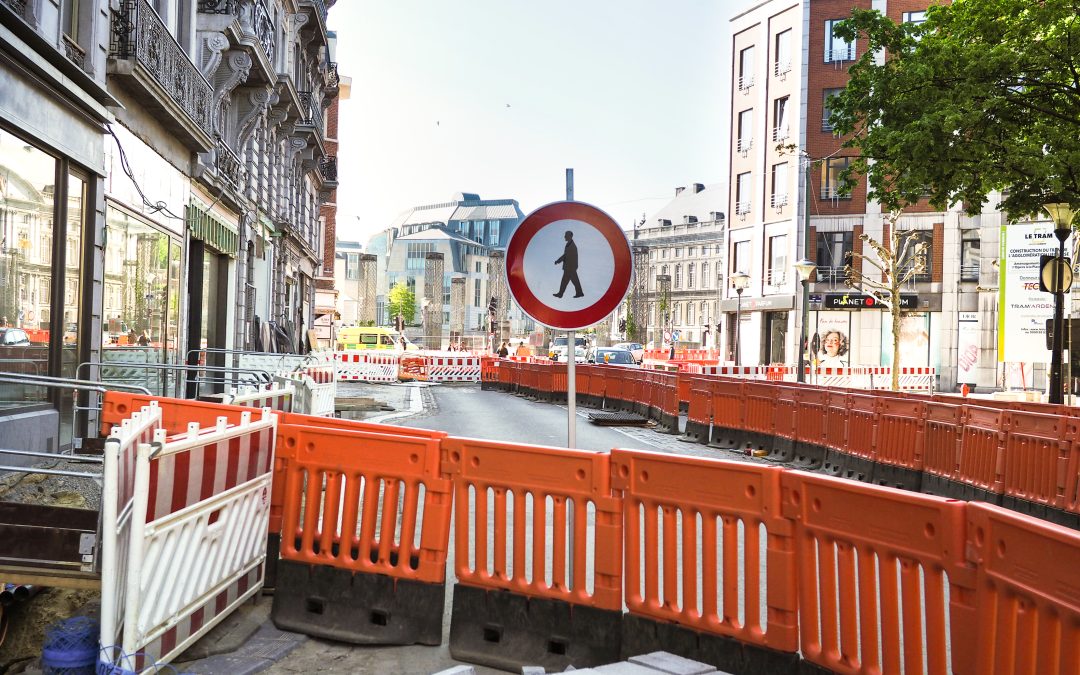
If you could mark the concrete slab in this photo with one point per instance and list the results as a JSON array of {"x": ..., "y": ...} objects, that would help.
[
  {"x": 672, "y": 664},
  {"x": 624, "y": 668},
  {"x": 227, "y": 663}
]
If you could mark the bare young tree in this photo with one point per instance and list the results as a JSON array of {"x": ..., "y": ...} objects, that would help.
[{"x": 883, "y": 275}]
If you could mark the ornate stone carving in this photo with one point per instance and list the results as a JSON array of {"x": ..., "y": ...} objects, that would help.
[{"x": 213, "y": 45}]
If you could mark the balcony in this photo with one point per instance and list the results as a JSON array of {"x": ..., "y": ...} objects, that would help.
[
  {"x": 744, "y": 145},
  {"x": 333, "y": 78},
  {"x": 17, "y": 6},
  {"x": 778, "y": 200},
  {"x": 318, "y": 7},
  {"x": 228, "y": 166},
  {"x": 745, "y": 82},
  {"x": 74, "y": 52},
  {"x": 780, "y": 133},
  {"x": 328, "y": 170},
  {"x": 219, "y": 7},
  {"x": 153, "y": 68},
  {"x": 833, "y": 276},
  {"x": 781, "y": 68},
  {"x": 310, "y": 111}
]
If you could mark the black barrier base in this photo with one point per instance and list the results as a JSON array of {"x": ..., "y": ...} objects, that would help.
[
  {"x": 1047, "y": 513},
  {"x": 933, "y": 484},
  {"x": 273, "y": 552},
  {"x": 754, "y": 441},
  {"x": 725, "y": 438},
  {"x": 809, "y": 455},
  {"x": 1059, "y": 517},
  {"x": 508, "y": 631},
  {"x": 975, "y": 494},
  {"x": 642, "y": 635},
  {"x": 669, "y": 424},
  {"x": 781, "y": 450},
  {"x": 835, "y": 462},
  {"x": 488, "y": 386},
  {"x": 366, "y": 609},
  {"x": 898, "y": 477},
  {"x": 558, "y": 397},
  {"x": 858, "y": 468},
  {"x": 696, "y": 432}
]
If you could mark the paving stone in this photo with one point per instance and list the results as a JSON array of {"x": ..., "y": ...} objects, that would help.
[
  {"x": 624, "y": 668},
  {"x": 227, "y": 664},
  {"x": 533, "y": 670},
  {"x": 672, "y": 664},
  {"x": 458, "y": 670}
]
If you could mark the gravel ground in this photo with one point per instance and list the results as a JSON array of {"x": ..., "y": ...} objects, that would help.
[{"x": 53, "y": 490}]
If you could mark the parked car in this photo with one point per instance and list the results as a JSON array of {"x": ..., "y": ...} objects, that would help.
[
  {"x": 13, "y": 337},
  {"x": 558, "y": 349},
  {"x": 634, "y": 348},
  {"x": 612, "y": 356}
]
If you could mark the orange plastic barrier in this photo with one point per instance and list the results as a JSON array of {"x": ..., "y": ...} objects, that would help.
[
  {"x": 981, "y": 446},
  {"x": 728, "y": 396},
  {"x": 665, "y": 496},
  {"x": 944, "y": 426},
  {"x": 872, "y": 564},
  {"x": 176, "y": 413},
  {"x": 836, "y": 420},
  {"x": 862, "y": 426},
  {"x": 900, "y": 433},
  {"x": 489, "y": 369},
  {"x": 414, "y": 368},
  {"x": 811, "y": 413},
  {"x": 1037, "y": 456},
  {"x": 1027, "y": 598},
  {"x": 371, "y": 481},
  {"x": 785, "y": 421},
  {"x": 699, "y": 410},
  {"x": 759, "y": 407},
  {"x": 683, "y": 386},
  {"x": 523, "y": 487}
]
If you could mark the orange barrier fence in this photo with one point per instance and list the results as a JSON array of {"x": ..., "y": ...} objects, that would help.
[
  {"x": 880, "y": 570},
  {"x": 718, "y": 511}
]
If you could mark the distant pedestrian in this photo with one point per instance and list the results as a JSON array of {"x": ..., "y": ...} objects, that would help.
[
  {"x": 504, "y": 351},
  {"x": 403, "y": 343}
]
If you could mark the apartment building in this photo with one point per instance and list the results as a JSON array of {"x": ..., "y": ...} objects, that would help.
[
  {"x": 785, "y": 204},
  {"x": 162, "y": 167}
]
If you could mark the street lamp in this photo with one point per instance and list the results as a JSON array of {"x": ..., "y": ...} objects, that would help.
[
  {"x": 739, "y": 280},
  {"x": 804, "y": 268},
  {"x": 1062, "y": 214}
]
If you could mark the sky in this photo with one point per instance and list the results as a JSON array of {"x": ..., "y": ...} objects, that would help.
[{"x": 499, "y": 97}]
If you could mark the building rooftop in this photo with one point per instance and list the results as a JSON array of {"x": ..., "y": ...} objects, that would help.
[{"x": 696, "y": 203}]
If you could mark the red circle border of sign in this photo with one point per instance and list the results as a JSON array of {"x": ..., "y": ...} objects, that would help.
[{"x": 515, "y": 272}]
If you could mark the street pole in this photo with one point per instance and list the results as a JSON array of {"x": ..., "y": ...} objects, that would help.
[
  {"x": 738, "y": 325},
  {"x": 1056, "y": 385},
  {"x": 571, "y": 349},
  {"x": 801, "y": 375}
]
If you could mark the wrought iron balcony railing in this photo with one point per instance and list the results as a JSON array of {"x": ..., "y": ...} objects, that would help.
[
  {"x": 328, "y": 168},
  {"x": 18, "y": 6},
  {"x": 320, "y": 7},
  {"x": 228, "y": 165},
  {"x": 163, "y": 71},
  {"x": 310, "y": 110},
  {"x": 74, "y": 52},
  {"x": 333, "y": 78},
  {"x": 219, "y": 6}
]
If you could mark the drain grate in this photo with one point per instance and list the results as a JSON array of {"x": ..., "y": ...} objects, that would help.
[{"x": 618, "y": 419}]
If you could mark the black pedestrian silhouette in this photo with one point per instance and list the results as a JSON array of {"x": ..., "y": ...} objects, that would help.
[{"x": 569, "y": 268}]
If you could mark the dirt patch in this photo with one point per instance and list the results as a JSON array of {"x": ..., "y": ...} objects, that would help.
[{"x": 27, "y": 621}]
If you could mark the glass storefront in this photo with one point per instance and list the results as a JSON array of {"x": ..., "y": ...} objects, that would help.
[
  {"x": 141, "y": 302},
  {"x": 41, "y": 237}
]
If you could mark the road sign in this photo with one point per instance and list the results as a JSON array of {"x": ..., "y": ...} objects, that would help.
[{"x": 568, "y": 265}]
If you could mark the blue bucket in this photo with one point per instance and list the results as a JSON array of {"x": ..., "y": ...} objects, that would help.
[{"x": 70, "y": 647}]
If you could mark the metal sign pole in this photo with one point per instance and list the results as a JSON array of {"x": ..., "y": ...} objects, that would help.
[{"x": 571, "y": 354}]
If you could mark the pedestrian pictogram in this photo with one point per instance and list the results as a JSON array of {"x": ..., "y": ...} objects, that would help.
[{"x": 591, "y": 258}]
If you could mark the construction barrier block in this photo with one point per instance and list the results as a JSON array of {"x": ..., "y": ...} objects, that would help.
[
  {"x": 811, "y": 412},
  {"x": 338, "y": 604},
  {"x": 509, "y": 631},
  {"x": 759, "y": 415},
  {"x": 982, "y": 462},
  {"x": 704, "y": 501},
  {"x": 698, "y": 415},
  {"x": 728, "y": 406},
  {"x": 1027, "y": 595},
  {"x": 371, "y": 505},
  {"x": 1037, "y": 456},
  {"x": 513, "y": 502},
  {"x": 784, "y": 425},
  {"x": 877, "y": 568}
]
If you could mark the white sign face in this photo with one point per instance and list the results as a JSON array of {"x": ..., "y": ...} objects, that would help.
[
  {"x": 967, "y": 347},
  {"x": 547, "y": 273},
  {"x": 1023, "y": 309}
]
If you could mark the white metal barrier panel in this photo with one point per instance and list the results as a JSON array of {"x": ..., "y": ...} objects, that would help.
[
  {"x": 198, "y": 532},
  {"x": 277, "y": 397},
  {"x": 118, "y": 496},
  {"x": 453, "y": 368},
  {"x": 367, "y": 366}
]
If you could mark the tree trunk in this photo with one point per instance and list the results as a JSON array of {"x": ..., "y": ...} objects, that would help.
[{"x": 896, "y": 316}]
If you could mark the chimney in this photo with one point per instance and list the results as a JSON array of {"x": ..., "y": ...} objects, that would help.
[
  {"x": 698, "y": 187},
  {"x": 678, "y": 191},
  {"x": 689, "y": 219}
]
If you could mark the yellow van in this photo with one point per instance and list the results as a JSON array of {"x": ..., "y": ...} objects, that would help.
[{"x": 371, "y": 337}]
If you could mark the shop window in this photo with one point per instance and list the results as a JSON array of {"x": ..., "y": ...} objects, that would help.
[{"x": 970, "y": 253}]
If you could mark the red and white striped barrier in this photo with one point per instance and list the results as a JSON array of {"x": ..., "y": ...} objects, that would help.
[
  {"x": 198, "y": 534},
  {"x": 277, "y": 396},
  {"x": 117, "y": 497},
  {"x": 367, "y": 366},
  {"x": 453, "y": 368}
]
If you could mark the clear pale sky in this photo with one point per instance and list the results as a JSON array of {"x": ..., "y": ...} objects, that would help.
[{"x": 499, "y": 97}]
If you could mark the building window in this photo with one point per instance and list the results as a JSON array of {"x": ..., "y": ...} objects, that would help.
[
  {"x": 826, "y": 107},
  {"x": 746, "y": 68},
  {"x": 742, "y": 194},
  {"x": 926, "y": 238},
  {"x": 417, "y": 253},
  {"x": 678, "y": 276},
  {"x": 832, "y": 255},
  {"x": 476, "y": 293},
  {"x": 830, "y": 177},
  {"x": 479, "y": 268},
  {"x": 678, "y": 252},
  {"x": 690, "y": 275},
  {"x": 663, "y": 253},
  {"x": 780, "y": 119},
  {"x": 746, "y": 131},
  {"x": 777, "y": 260},
  {"x": 915, "y": 17},
  {"x": 779, "y": 197},
  {"x": 493, "y": 233},
  {"x": 740, "y": 257},
  {"x": 837, "y": 49},
  {"x": 704, "y": 275},
  {"x": 352, "y": 265},
  {"x": 970, "y": 250},
  {"x": 782, "y": 53}
]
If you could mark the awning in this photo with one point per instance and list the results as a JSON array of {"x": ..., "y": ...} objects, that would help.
[{"x": 217, "y": 233}]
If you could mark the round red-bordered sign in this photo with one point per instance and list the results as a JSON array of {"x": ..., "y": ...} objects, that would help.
[{"x": 541, "y": 271}]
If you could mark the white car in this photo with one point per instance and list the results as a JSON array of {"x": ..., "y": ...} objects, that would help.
[
  {"x": 557, "y": 351},
  {"x": 634, "y": 348}
]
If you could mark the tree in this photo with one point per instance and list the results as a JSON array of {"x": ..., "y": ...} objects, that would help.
[
  {"x": 890, "y": 268},
  {"x": 402, "y": 301},
  {"x": 982, "y": 96}
]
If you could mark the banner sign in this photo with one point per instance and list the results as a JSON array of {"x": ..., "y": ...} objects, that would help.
[
  {"x": 864, "y": 301},
  {"x": 1023, "y": 309}
]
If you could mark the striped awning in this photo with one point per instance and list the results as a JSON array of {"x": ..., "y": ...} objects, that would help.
[{"x": 212, "y": 230}]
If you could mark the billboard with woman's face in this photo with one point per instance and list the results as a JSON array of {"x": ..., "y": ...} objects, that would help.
[{"x": 831, "y": 344}]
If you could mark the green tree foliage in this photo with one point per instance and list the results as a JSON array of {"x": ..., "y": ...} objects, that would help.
[
  {"x": 983, "y": 96},
  {"x": 402, "y": 301}
]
